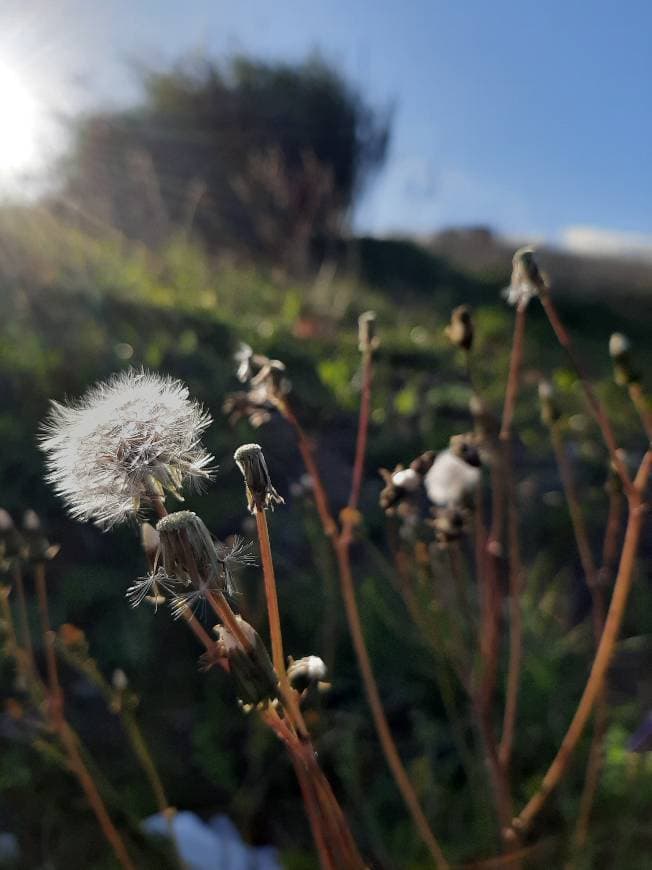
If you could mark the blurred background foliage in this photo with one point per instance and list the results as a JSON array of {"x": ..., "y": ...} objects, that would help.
[{"x": 217, "y": 212}]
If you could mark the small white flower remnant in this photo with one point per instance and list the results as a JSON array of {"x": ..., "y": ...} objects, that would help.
[
  {"x": 407, "y": 479},
  {"x": 451, "y": 480},
  {"x": 526, "y": 279},
  {"x": 310, "y": 668},
  {"x": 127, "y": 440}
]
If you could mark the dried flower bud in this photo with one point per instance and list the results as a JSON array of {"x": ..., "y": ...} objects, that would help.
[
  {"x": 260, "y": 493},
  {"x": 38, "y": 548},
  {"x": 253, "y": 673},
  {"x": 526, "y": 281},
  {"x": 550, "y": 412},
  {"x": 302, "y": 672},
  {"x": 189, "y": 554},
  {"x": 619, "y": 351},
  {"x": 460, "y": 329},
  {"x": 367, "y": 338},
  {"x": 267, "y": 383},
  {"x": 119, "y": 680}
]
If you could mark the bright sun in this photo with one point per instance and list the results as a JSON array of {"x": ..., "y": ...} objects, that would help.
[{"x": 19, "y": 127}]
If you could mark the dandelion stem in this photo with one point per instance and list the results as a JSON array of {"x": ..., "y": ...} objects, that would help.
[
  {"x": 604, "y": 651},
  {"x": 314, "y": 816},
  {"x": 515, "y": 565},
  {"x": 276, "y": 635},
  {"x": 594, "y": 403},
  {"x": 577, "y": 520},
  {"x": 66, "y": 734},
  {"x": 363, "y": 429},
  {"x": 23, "y": 616},
  {"x": 307, "y": 454},
  {"x": 269, "y": 578}
]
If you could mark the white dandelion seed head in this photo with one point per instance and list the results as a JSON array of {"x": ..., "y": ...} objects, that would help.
[
  {"x": 127, "y": 436},
  {"x": 450, "y": 480}
]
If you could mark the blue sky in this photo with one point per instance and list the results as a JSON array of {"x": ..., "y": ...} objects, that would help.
[{"x": 532, "y": 117}]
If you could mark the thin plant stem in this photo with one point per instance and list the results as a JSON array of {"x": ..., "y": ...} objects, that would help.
[
  {"x": 314, "y": 817},
  {"x": 363, "y": 430},
  {"x": 278, "y": 656},
  {"x": 577, "y": 520},
  {"x": 513, "y": 377},
  {"x": 515, "y": 565},
  {"x": 604, "y": 653},
  {"x": 65, "y": 732},
  {"x": 306, "y": 450},
  {"x": 269, "y": 578},
  {"x": 594, "y": 403},
  {"x": 23, "y": 615}
]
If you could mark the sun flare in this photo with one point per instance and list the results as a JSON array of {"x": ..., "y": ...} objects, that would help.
[{"x": 18, "y": 130}]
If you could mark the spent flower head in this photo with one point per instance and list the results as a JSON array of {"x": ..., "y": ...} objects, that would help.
[
  {"x": 253, "y": 673},
  {"x": 460, "y": 330},
  {"x": 267, "y": 386},
  {"x": 260, "y": 493},
  {"x": 188, "y": 553},
  {"x": 127, "y": 440},
  {"x": 526, "y": 281}
]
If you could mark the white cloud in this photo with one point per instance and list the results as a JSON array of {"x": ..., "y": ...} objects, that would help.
[{"x": 599, "y": 242}]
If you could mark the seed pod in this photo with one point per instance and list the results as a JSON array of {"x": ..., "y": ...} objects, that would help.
[
  {"x": 188, "y": 552},
  {"x": 260, "y": 493},
  {"x": 255, "y": 678}
]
